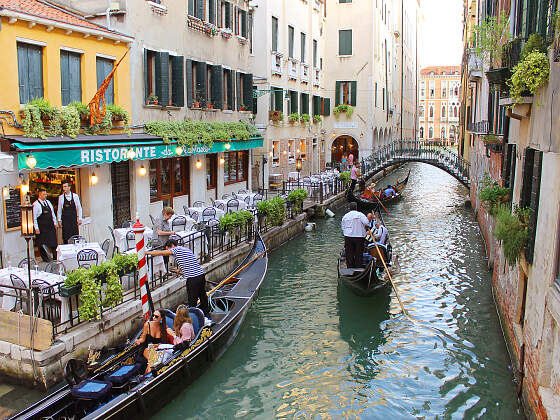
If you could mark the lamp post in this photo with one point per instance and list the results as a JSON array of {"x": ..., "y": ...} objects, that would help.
[
  {"x": 264, "y": 162},
  {"x": 298, "y": 168},
  {"x": 27, "y": 229}
]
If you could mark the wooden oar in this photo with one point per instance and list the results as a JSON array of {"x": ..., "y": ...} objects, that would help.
[
  {"x": 381, "y": 204},
  {"x": 230, "y": 278},
  {"x": 391, "y": 279}
]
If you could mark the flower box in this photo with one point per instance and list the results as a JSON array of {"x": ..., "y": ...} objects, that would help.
[
  {"x": 498, "y": 76},
  {"x": 67, "y": 291}
]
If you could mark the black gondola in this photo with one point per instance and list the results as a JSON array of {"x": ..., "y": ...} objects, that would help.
[
  {"x": 134, "y": 395},
  {"x": 367, "y": 205}
]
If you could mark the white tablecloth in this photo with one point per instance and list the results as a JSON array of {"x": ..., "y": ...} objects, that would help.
[
  {"x": 293, "y": 176},
  {"x": 242, "y": 197},
  {"x": 242, "y": 204},
  {"x": 67, "y": 254},
  {"x": 8, "y": 302},
  {"x": 120, "y": 237},
  {"x": 219, "y": 213},
  {"x": 197, "y": 240},
  {"x": 157, "y": 262}
]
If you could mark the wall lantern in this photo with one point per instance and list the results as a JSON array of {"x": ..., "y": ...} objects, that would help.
[
  {"x": 94, "y": 178},
  {"x": 298, "y": 164},
  {"x": 31, "y": 162},
  {"x": 26, "y": 218},
  {"x": 198, "y": 164},
  {"x": 5, "y": 192},
  {"x": 222, "y": 161},
  {"x": 270, "y": 154},
  {"x": 142, "y": 170},
  {"x": 24, "y": 188}
]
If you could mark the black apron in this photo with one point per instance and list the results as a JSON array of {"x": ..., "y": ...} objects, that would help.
[
  {"x": 46, "y": 227},
  {"x": 69, "y": 219}
]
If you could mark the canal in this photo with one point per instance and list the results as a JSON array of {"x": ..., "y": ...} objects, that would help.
[{"x": 309, "y": 349}]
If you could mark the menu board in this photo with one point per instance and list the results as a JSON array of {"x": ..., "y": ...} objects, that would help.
[{"x": 12, "y": 210}]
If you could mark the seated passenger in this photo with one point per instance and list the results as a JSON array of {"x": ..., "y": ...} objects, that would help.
[
  {"x": 155, "y": 333},
  {"x": 389, "y": 192},
  {"x": 183, "y": 331},
  {"x": 381, "y": 234}
]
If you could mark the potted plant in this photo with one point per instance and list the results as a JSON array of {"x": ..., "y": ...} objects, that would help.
[
  {"x": 317, "y": 119},
  {"x": 196, "y": 102},
  {"x": 209, "y": 106},
  {"x": 83, "y": 110},
  {"x": 242, "y": 107},
  {"x": 153, "y": 99},
  {"x": 293, "y": 118},
  {"x": 343, "y": 108},
  {"x": 489, "y": 37},
  {"x": 305, "y": 118},
  {"x": 296, "y": 198},
  {"x": 529, "y": 75},
  {"x": 275, "y": 115}
]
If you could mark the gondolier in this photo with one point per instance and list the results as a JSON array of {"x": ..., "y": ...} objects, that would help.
[
  {"x": 355, "y": 225},
  {"x": 44, "y": 222},
  {"x": 69, "y": 212},
  {"x": 191, "y": 269}
]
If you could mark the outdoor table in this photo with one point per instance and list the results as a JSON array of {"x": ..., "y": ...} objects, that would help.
[
  {"x": 219, "y": 212},
  {"x": 67, "y": 253},
  {"x": 120, "y": 237},
  {"x": 8, "y": 302},
  {"x": 242, "y": 197},
  {"x": 293, "y": 176}
]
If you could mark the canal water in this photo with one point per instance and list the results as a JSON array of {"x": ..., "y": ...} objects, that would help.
[{"x": 309, "y": 349}]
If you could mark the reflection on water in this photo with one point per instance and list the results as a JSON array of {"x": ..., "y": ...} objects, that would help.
[{"x": 310, "y": 349}]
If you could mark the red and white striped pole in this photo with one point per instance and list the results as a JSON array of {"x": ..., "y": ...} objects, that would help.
[{"x": 145, "y": 295}]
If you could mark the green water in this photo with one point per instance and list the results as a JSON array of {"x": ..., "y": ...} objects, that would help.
[{"x": 309, "y": 349}]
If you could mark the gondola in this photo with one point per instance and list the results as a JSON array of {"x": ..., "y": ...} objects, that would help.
[
  {"x": 367, "y": 205},
  {"x": 133, "y": 395}
]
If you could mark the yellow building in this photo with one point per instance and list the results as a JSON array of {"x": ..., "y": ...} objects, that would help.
[{"x": 50, "y": 52}]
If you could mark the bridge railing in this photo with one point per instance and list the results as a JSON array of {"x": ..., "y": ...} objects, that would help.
[{"x": 421, "y": 151}]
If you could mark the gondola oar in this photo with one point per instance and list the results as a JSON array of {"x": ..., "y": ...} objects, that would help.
[
  {"x": 232, "y": 275},
  {"x": 391, "y": 279},
  {"x": 379, "y": 201}
]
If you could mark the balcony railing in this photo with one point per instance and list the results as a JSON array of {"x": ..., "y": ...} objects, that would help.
[
  {"x": 292, "y": 69},
  {"x": 276, "y": 63},
  {"x": 479, "y": 127},
  {"x": 304, "y": 72}
]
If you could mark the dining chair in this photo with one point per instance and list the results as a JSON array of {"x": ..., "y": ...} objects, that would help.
[
  {"x": 179, "y": 222},
  {"x": 105, "y": 247},
  {"x": 18, "y": 282},
  {"x": 212, "y": 201},
  {"x": 130, "y": 240},
  {"x": 75, "y": 238},
  {"x": 194, "y": 215},
  {"x": 127, "y": 224},
  {"x": 232, "y": 205},
  {"x": 47, "y": 252},
  {"x": 153, "y": 220},
  {"x": 45, "y": 295},
  {"x": 115, "y": 247},
  {"x": 87, "y": 257},
  {"x": 247, "y": 200},
  {"x": 221, "y": 206},
  {"x": 199, "y": 204},
  {"x": 225, "y": 196},
  {"x": 186, "y": 210},
  {"x": 242, "y": 192},
  {"x": 208, "y": 213},
  {"x": 56, "y": 267},
  {"x": 23, "y": 263}
]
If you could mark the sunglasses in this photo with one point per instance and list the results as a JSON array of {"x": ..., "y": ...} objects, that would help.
[{"x": 156, "y": 316}]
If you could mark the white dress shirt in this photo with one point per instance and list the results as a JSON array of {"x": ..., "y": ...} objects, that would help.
[
  {"x": 69, "y": 198},
  {"x": 354, "y": 224},
  {"x": 38, "y": 209},
  {"x": 381, "y": 235}
]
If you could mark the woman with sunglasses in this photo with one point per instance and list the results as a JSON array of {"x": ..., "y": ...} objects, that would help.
[{"x": 154, "y": 332}]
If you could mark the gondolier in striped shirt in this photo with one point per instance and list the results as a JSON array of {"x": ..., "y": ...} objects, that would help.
[{"x": 191, "y": 269}]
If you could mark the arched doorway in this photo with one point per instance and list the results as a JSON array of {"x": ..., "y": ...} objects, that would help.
[
  {"x": 342, "y": 147},
  {"x": 452, "y": 134}
]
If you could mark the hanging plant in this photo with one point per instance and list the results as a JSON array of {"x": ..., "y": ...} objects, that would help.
[
  {"x": 343, "y": 108},
  {"x": 529, "y": 75},
  {"x": 512, "y": 230},
  {"x": 492, "y": 195},
  {"x": 274, "y": 210},
  {"x": 317, "y": 119}
]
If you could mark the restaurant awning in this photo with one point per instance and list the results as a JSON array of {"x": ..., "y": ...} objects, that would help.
[{"x": 89, "y": 150}]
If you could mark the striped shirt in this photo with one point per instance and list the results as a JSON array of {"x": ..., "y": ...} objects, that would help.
[{"x": 187, "y": 261}]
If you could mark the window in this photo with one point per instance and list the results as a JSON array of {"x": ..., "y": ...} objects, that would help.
[
  {"x": 375, "y": 93},
  {"x": 291, "y": 154},
  {"x": 277, "y": 99},
  {"x": 211, "y": 170},
  {"x": 442, "y": 133},
  {"x": 421, "y": 111},
  {"x": 243, "y": 23},
  {"x": 164, "y": 77},
  {"x": 228, "y": 90},
  {"x": 302, "y": 47},
  {"x": 197, "y": 8},
  {"x": 305, "y": 103},
  {"x": 274, "y": 34},
  {"x": 30, "y": 72},
  {"x": 168, "y": 179},
  {"x": 326, "y": 106},
  {"x": 383, "y": 97},
  {"x": 226, "y": 15},
  {"x": 290, "y": 41},
  {"x": 345, "y": 42},
  {"x": 70, "y": 77},
  {"x": 422, "y": 89},
  {"x": 346, "y": 93},
  {"x": 444, "y": 90},
  {"x": 431, "y": 133},
  {"x": 315, "y": 53},
  {"x": 275, "y": 153},
  {"x": 245, "y": 91},
  {"x": 235, "y": 166},
  {"x": 293, "y": 101},
  {"x": 431, "y": 112},
  {"x": 345, "y": 1},
  {"x": 443, "y": 111},
  {"x": 421, "y": 132},
  {"x": 432, "y": 89},
  {"x": 302, "y": 149},
  {"x": 104, "y": 67}
]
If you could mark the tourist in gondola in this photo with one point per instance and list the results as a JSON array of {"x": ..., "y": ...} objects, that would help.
[
  {"x": 355, "y": 226},
  {"x": 69, "y": 212},
  {"x": 154, "y": 332},
  {"x": 44, "y": 222},
  {"x": 389, "y": 192},
  {"x": 381, "y": 234}
]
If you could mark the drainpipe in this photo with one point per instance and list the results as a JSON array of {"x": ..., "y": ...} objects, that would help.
[{"x": 108, "y": 14}]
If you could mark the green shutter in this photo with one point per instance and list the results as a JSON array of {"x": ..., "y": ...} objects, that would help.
[
  {"x": 293, "y": 102},
  {"x": 353, "y": 93},
  {"x": 201, "y": 83},
  {"x": 302, "y": 47},
  {"x": 238, "y": 91},
  {"x": 337, "y": 94},
  {"x": 236, "y": 25},
  {"x": 244, "y": 24},
  {"x": 248, "y": 90},
  {"x": 64, "y": 78},
  {"x": 36, "y": 71},
  {"x": 228, "y": 15},
  {"x": 290, "y": 41},
  {"x": 345, "y": 42},
  {"x": 75, "y": 70},
  {"x": 527, "y": 175},
  {"x": 231, "y": 90},
  {"x": 327, "y": 107},
  {"x": 255, "y": 100},
  {"x": 304, "y": 103},
  {"x": 314, "y": 53},
  {"x": 274, "y": 34},
  {"x": 534, "y": 204},
  {"x": 212, "y": 11},
  {"x": 178, "y": 87},
  {"x": 217, "y": 86},
  {"x": 162, "y": 77},
  {"x": 316, "y": 105},
  {"x": 200, "y": 9},
  {"x": 146, "y": 72},
  {"x": 189, "y": 71},
  {"x": 191, "y": 7},
  {"x": 23, "y": 73},
  {"x": 104, "y": 67},
  {"x": 278, "y": 99}
]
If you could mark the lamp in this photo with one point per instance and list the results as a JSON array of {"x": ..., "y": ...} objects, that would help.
[
  {"x": 198, "y": 164},
  {"x": 6, "y": 192},
  {"x": 179, "y": 150},
  {"x": 142, "y": 171},
  {"x": 227, "y": 145},
  {"x": 222, "y": 161},
  {"x": 24, "y": 188},
  {"x": 270, "y": 153},
  {"x": 27, "y": 229},
  {"x": 94, "y": 178},
  {"x": 31, "y": 162},
  {"x": 298, "y": 168},
  {"x": 130, "y": 153}
]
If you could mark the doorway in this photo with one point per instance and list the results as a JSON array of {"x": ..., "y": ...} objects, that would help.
[{"x": 120, "y": 183}]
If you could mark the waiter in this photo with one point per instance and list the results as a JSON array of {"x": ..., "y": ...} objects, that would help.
[
  {"x": 69, "y": 212},
  {"x": 44, "y": 222}
]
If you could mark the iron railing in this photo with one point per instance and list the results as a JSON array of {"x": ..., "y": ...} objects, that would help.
[{"x": 479, "y": 127}]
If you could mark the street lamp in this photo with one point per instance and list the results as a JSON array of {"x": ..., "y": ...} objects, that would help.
[
  {"x": 264, "y": 162},
  {"x": 27, "y": 229},
  {"x": 298, "y": 168}
]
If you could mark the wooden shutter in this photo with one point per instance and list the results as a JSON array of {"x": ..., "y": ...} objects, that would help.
[
  {"x": 353, "y": 93},
  {"x": 528, "y": 164},
  {"x": 201, "y": 83},
  {"x": 293, "y": 101},
  {"x": 236, "y": 25},
  {"x": 534, "y": 204},
  {"x": 228, "y": 15},
  {"x": 278, "y": 100},
  {"x": 274, "y": 34},
  {"x": 217, "y": 86},
  {"x": 191, "y": 8},
  {"x": 290, "y": 41},
  {"x": 189, "y": 71},
  {"x": 244, "y": 24},
  {"x": 512, "y": 167},
  {"x": 327, "y": 107},
  {"x": 248, "y": 91},
  {"x": 212, "y": 11},
  {"x": 304, "y": 103},
  {"x": 337, "y": 94},
  {"x": 238, "y": 92},
  {"x": 146, "y": 74},
  {"x": 231, "y": 90},
  {"x": 345, "y": 42},
  {"x": 302, "y": 47},
  {"x": 75, "y": 67},
  {"x": 162, "y": 77},
  {"x": 36, "y": 71},
  {"x": 255, "y": 100},
  {"x": 23, "y": 73},
  {"x": 200, "y": 9},
  {"x": 316, "y": 105},
  {"x": 65, "y": 77},
  {"x": 104, "y": 67},
  {"x": 178, "y": 86}
]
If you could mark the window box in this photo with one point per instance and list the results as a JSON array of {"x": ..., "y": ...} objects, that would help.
[
  {"x": 67, "y": 291},
  {"x": 226, "y": 33},
  {"x": 498, "y": 76},
  {"x": 316, "y": 76},
  {"x": 304, "y": 73},
  {"x": 242, "y": 39}
]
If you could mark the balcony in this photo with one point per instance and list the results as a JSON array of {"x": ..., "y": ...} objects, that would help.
[
  {"x": 304, "y": 73},
  {"x": 316, "y": 77},
  {"x": 475, "y": 67},
  {"x": 479, "y": 127},
  {"x": 276, "y": 63},
  {"x": 292, "y": 69}
]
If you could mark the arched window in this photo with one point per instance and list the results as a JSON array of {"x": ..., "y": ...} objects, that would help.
[
  {"x": 431, "y": 133},
  {"x": 455, "y": 111},
  {"x": 442, "y": 133},
  {"x": 431, "y": 115},
  {"x": 456, "y": 91},
  {"x": 443, "y": 111},
  {"x": 421, "y": 111},
  {"x": 421, "y": 132}
]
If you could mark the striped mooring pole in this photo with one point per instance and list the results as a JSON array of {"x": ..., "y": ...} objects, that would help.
[{"x": 145, "y": 295}]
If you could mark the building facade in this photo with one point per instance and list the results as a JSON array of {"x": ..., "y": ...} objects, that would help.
[
  {"x": 440, "y": 105},
  {"x": 517, "y": 143}
]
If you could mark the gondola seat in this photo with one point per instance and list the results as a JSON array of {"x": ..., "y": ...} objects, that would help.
[
  {"x": 124, "y": 373},
  {"x": 91, "y": 390},
  {"x": 197, "y": 317},
  {"x": 350, "y": 272}
]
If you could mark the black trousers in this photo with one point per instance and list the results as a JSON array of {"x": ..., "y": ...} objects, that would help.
[
  {"x": 354, "y": 251},
  {"x": 353, "y": 184},
  {"x": 196, "y": 288}
]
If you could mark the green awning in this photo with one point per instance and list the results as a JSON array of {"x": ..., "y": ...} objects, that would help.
[{"x": 61, "y": 155}]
